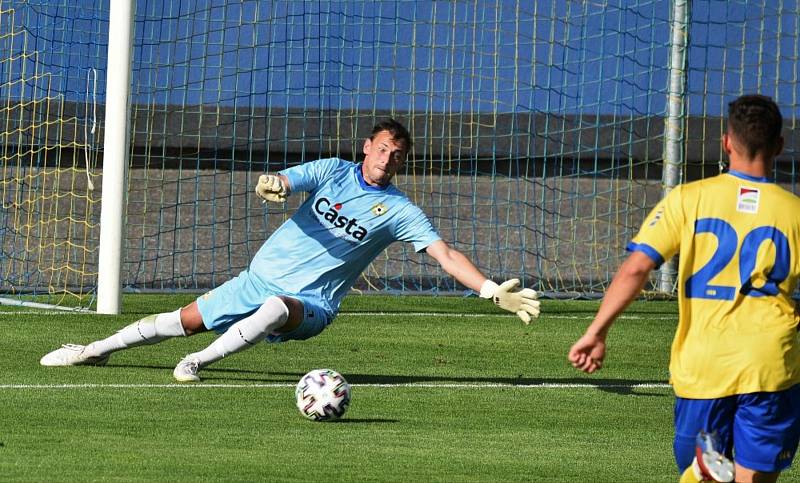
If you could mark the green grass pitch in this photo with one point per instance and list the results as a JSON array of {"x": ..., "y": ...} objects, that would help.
[{"x": 444, "y": 389}]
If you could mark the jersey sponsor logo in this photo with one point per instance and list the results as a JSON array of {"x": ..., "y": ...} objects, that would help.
[
  {"x": 747, "y": 201},
  {"x": 330, "y": 213}
]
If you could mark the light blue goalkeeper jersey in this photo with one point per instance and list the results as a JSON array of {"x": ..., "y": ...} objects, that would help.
[{"x": 335, "y": 234}]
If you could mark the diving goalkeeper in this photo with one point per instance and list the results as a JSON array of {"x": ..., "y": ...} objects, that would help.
[{"x": 294, "y": 285}]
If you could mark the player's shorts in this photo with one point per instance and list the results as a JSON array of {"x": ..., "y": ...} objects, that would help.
[
  {"x": 760, "y": 430},
  {"x": 241, "y": 296}
]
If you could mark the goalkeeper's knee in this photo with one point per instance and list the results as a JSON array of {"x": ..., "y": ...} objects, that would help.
[{"x": 271, "y": 316}]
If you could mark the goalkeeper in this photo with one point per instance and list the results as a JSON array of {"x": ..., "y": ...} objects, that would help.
[{"x": 296, "y": 281}]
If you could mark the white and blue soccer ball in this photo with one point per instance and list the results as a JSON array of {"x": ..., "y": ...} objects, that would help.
[{"x": 322, "y": 395}]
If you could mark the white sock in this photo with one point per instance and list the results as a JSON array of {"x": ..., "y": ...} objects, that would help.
[
  {"x": 149, "y": 330},
  {"x": 246, "y": 333}
]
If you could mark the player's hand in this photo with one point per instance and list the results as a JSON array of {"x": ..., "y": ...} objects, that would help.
[
  {"x": 587, "y": 353},
  {"x": 271, "y": 188},
  {"x": 521, "y": 302}
]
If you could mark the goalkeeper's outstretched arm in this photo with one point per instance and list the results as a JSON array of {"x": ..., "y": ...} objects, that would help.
[{"x": 506, "y": 296}]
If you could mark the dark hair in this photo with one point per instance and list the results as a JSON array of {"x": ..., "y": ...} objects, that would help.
[
  {"x": 399, "y": 132},
  {"x": 756, "y": 122}
]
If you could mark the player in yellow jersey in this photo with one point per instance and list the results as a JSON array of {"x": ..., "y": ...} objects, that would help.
[{"x": 735, "y": 360}]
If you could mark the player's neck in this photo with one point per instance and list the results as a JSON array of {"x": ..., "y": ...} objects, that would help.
[
  {"x": 758, "y": 167},
  {"x": 371, "y": 182}
]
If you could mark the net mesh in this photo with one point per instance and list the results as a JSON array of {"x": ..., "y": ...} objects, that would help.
[
  {"x": 538, "y": 126},
  {"x": 48, "y": 138}
]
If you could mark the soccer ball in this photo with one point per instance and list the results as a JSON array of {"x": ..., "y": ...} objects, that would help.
[{"x": 322, "y": 395}]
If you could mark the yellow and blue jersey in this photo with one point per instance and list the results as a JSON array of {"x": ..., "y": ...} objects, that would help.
[{"x": 738, "y": 238}]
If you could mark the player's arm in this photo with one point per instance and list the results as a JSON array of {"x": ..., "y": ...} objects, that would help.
[
  {"x": 273, "y": 187},
  {"x": 521, "y": 302},
  {"x": 588, "y": 352}
]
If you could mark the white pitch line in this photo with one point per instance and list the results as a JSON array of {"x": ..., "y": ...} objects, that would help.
[
  {"x": 378, "y": 385},
  {"x": 544, "y": 315},
  {"x": 404, "y": 314},
  {"x": 41, "y": 312}
]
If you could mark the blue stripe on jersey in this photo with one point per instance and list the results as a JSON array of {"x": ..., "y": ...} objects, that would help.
[
  {"x": 755, "y": 179},
  {"x": 647, "y": 250}
]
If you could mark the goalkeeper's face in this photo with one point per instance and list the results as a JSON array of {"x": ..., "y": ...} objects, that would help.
[{"x": 383, "y": 158}]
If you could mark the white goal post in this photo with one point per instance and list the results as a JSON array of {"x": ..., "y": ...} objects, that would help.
[{"x": 115, "y": 159}]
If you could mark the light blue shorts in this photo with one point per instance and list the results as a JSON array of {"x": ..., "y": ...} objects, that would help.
[
  {"x": 761, "y": 430},
  {"x": 241, "y": 296}
]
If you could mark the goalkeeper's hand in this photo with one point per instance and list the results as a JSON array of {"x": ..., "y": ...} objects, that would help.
[
  {"x": 271, "y": 188},
  {"x": 521, "y": 302}
]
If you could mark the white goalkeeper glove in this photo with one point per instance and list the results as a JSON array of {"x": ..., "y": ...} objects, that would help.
[
  {"x": 521, "y": 302},
  {"x": 271, "y": 188}
]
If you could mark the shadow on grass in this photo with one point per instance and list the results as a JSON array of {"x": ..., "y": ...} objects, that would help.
[
  {"x": 346, "y": 420},
  {"x": 615, "y": 386}
]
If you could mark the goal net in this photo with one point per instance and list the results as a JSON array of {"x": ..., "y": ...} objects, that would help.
[
  {"x": 539, "y": 127},
  {"x": 48, "y": 152}
]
